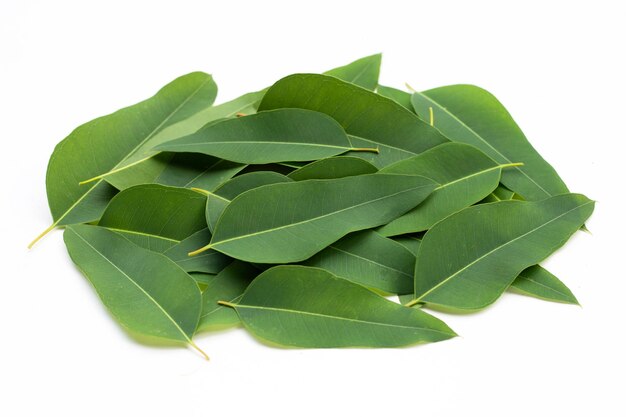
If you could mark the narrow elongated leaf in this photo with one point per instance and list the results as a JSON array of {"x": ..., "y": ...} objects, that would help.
[
  {"x": 216, "y": 202},
  {"x": 538, "y": 282},
  {"x": 362, "y": 72},
  {"x": 401, "y": 97},
  {"x": 228, "y": 285},
  {"x": 210, "y": 262},
  {"x": 469, "y": 114},
  {"x": 145, "y": 291},
  {"x": 290, "y": 222},
  {"x": 263, "y": 138},
  {"x": 466, "y": 176},
  {"x": 310, "y": 307},
  {"x": 369, "y": 259},
  {"x": 370, "y": 119},
  {"x": 335, "y": 167},
  {"x": 113, "y": 141},
  {"x": 154, "y": 216},
  {"x": 467, "y": 260}
]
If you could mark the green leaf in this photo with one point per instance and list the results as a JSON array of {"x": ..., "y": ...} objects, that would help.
[
  {"x": 369, "y": 259},
  {"x": 501, "y": 193},
  {"x": 146, "y": 292},
  {"x": 538, "y": 282},
  {"x": 210, "y": 261},
  {"x": 202, "y": 279},
  {"x": 308, "y": 307},
  {"x": 335, "y": 167},
  {"x": 267, "y": 137},
  {"x": 401, "y": 97},
  {"x": 290, "y": 222},
  {"x": 369, "y": 119},
  {"x": 217, "y": 201},
  {"x": 228, "y": 285},
  {"x": 362, "y": 72},
  {"x": 412, "y": 243},
  {"x": 468, "y": 259},
  {"x": 154, "y": 216},
  {"x": 114, "y": 141},
  {"x": 466, "y": 176},
  {"x": 469, "y": 114}
]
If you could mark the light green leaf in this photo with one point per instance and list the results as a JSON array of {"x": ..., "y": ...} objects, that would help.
[
  {"x": 146, "y": 292},
  {"x": 362, "y": 72},
  {"x": 114, "y": 141},
  {"x": 335, "y": 167},
  {"x": 368, "y": 118},
  {"x": 469, "y": 114},
  {"x": 468, "y": 259},
  {"x": 290, "y": 222},
  {"x": 309, "y": 307},
  {"x": 154, "y": 216},
  {"x": 217, "y": 201},
  {"x": 210, "y": 261},
  {"x": 369, "y": 259},
  {"x": 267, "y": 137},
  {"x": 401, "y": 97},
  {"x": 228, "y": 285},
  {"x": 466, "y": 176},
  {"x": 538, "y": 282}
]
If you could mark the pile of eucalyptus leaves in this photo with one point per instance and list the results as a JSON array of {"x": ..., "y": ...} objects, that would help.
[{"x": 303, "y": 209}]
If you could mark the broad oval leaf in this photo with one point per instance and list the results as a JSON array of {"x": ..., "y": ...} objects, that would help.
[
  {"x": 217, "y": 201},
  {"x": 209, "y": 262},
  {"x": 267, "y": 137},
  {"x": 311, "y": 308},
  {"x": 229, "y": 286},
  {"x": 363, "y": 72},
  {"x": 370, "y": 120},
  {"x": 468, "y": 259},
  {"x": 469, "y": 114},
  {"x": 114, "y": 141},
  {"x": 540, "y": 283},
  {"x": 290, "y": 222},
  {"x": 335, "y": 167},
  {"x": 155, "y": 217},
  {"x": 146, "y": 292},
  {"x": 369, "y": 259},
  {"x": 466, "y": 176}
]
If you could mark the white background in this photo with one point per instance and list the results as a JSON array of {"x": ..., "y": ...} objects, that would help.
[{"x": 557, "y": 66}]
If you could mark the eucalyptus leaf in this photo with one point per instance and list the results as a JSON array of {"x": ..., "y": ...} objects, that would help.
[
  {"x": 468, "y": 259},
  {"x": 412, "y": 243},
  {"x": 363, "y": 72},
  {"x": 267, "y": 137},
  {"x": 501, "y": 193},
  {"x": 466, "y": 176},
  {"x": 115, "y": 141},
  {"x": 290, "y": 222},
  {"x": 210, "y": 261},
  {"x": 334, "y": 167},
  {"x": 309, "y": 307},
  {"x": 369, "y": 259},
  {"x": 155, "y": 217},
  {"x": 401, "y": 97},
  {"x": 218, "y": 200},
  {"x": 228, "y": 285},
  {"x": 146, "y": 292},
  {"x": 540, "y": 283},
  {"x": 469, "y": 114},
  {"x": 370, "y": 120}
]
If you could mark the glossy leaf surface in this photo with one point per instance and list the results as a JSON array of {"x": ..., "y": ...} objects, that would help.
[
  {"x": 465, "y": 174},
  {"x": 370, "y": 119},
  {"x": 309, "y": 307},
  {"x": 335, "y": 167},
  {"x": 369, "y": 259},
  {"x": 469, "y": 114},
  {"x": 145, "y": 291},
  {"x": 290, "y": 222},
  {"x": 467, "y": 260},
  {"x": 538, "y": 282}
]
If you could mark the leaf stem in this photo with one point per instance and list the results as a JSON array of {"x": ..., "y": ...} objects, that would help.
[
  {"x": 432, "y": 116},
  {"x": 42, "y": 234},
  {"x": 374, "y": 150},
  {"x": 512, "y": 164},
  {"x": 412, "y": 302},
  {"x": 197, "y": 251},
  {"x": 193, "y": 345},
  {"x": 226, "y": 303}
]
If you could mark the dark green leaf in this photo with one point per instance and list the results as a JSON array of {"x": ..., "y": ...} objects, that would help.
[
  {"x": 335, "y": 167},
  {"x": 538, "y": 282}
]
